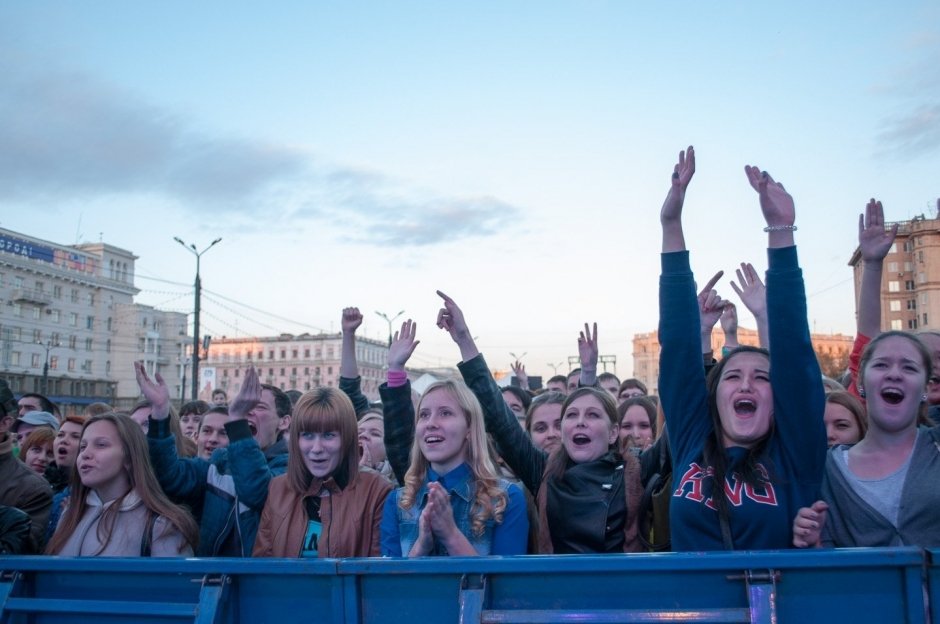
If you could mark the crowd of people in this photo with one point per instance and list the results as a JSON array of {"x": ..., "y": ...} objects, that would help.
[{"x": 754, "y": 449}]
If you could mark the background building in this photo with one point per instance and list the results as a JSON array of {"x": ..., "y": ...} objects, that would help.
[
  {"x": 293, "y": 362},
  {"x": 69, "y": 327},
  {"x": 832, "y": 351}
]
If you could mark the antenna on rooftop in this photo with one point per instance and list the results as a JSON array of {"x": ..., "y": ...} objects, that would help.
[{"x": 78, "y": 230}]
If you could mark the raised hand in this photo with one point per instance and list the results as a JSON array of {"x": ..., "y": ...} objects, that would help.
[
  {"x": 155, "y": 391},
  {"x": 518, "y": 369},
  {"x": 249, "y": 395},
  {"x": 403, "y": 345},
  {"x": 351, "y": 321},
  {"x": 874, "y": 240},
  {"x": 752, "y": 292},
  {"x": 710, "y": 304},
  {"x": 681, "y": 176},
  {"x": 808, "y": 525},
  {"x": 775, "y": 202},
  {"x": 729, "y": 319},
  {"x": 450, "y": 318},
  {"x": 587, "y": 348}
]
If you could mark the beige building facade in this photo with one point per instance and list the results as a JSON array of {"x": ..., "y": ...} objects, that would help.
[
  {"x": 835, "y": 347},
  {"x": 291, "y": 362},
  {"x": 69, "y": 310},
  {"x": 910, "y": 280}
]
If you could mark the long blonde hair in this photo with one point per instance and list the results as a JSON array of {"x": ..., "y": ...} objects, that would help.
[{"x": 489, "y": 499}]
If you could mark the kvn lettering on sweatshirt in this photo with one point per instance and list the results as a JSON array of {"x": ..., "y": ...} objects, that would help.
[{"x": 690, "y": 487}]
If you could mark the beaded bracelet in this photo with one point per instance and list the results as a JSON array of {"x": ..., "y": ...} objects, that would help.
[{"x": 780, "y": 228}]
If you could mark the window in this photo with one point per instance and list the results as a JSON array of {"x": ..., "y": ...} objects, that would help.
[
  {"x": 329, "y": 370},
  {"x": 260, "y": 355},
  {"x": 329, "y": 352},
  {"x": 894, "y": 248},
  {"x": 36, "y": 312},
  {"x": 86, "y": 366},
  {"x": 908, "y": 245},
  {"x": 306, "y": 370},
  {"x": 283, "y": 354},
  {"x": 892, "y": 267},
  {"x": 53, "y": 362},
  {"x": 17, "y": 309},
  {"x": 912, "y": 324},
  {"x": 90, "y": 322},
  {"x": 909, "y": 285},
  {"x": 912, "y": 304},
  {"x": 74, "y": 296},
  {"x": 73, "y": 319},
  {"x": 318, "y": 353},
  {"x": 894, "y": 286},
  {"x": 921, "y": 278},
  {"x": 925, "y": 319},
  {"x": 57, "y": 292},
  {"x": 895, "y": 306},
  {"x": 282, "y": 372},
  {"x": 294, "y": 353},
  {"x": 72, "y": 341},
  {"x": 896, "y": 325},
  {"x": 109, "y": 323},
  {"x": 920, "y": 256},
  {"x": 236, "y": 373},
  {"x": 37, "y": 335},
  {"x": 55, "y": 338},
  {"x": 923, "y": 299},
  {"x": 270, "y": 372},
  {"x": 307, "y": 353},
  {"x": 91, "y": 299},
  {"x": 88, "y": 344},
  {"x": 17, "y": 282},
  {"x": 909, "y": 266},
  {"x": 293, "y": 371},
  {"x": 35, "y": 360},
  {"x": 107, "y": 367},
  {"x": 55, "y": 316},
  {"x": 15, "y": 358},
  {"x": 225, "y": 372},
  {"x": 271, "y": 354},
  {"x": 107, "y": 346}
]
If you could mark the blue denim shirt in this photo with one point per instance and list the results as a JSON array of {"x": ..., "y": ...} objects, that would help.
[{"x": 400, "y": 526}]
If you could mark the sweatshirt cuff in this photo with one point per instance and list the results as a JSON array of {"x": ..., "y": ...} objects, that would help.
[
  {"x": 158, "y": 428},
  {"x": 675, "y": 262},
  {"x": 238, "y": 430},
  {"x": 782, "y": 258}
]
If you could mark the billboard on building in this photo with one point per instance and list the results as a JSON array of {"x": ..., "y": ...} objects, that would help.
[{"x": 206, "y": 383}]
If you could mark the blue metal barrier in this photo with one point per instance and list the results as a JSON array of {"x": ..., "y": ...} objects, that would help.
[{"x": 866, "y": 585}]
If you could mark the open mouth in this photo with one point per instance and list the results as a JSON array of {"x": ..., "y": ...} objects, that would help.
[
  {"x": 580, "y": 439},
  {"x": 433, "y": 439},
  {"x": 254, "y": 429},
  {"x": 745, "y": 407},
  {"x": 62, "y": 451},
  {"x": 892, "y": 396}
]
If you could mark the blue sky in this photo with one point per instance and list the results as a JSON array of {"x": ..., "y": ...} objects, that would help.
[{"x": 514, "y": 155}]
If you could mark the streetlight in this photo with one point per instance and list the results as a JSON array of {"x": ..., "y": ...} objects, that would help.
[
  {"x": 389, "y": 321},
  {"x": 198, "y": 288},
  {"x": 555, "y": 366},
  {"x": 518, "y": 358},
  {"x": 48, "y": 345}
]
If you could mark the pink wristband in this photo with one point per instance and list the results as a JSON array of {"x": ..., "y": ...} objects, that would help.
[{"x": 396, "y": 379}]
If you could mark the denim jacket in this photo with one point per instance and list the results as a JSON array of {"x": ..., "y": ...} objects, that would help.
[{"x": 460, "y": 485}]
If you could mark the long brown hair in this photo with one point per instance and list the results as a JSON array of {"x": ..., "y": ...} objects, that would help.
[
  {"x": 319, "y": 411},
  {"x": 142, "y": 481},
  {"x": 489, "y": 500}
]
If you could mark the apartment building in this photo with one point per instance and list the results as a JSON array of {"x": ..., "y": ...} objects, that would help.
[
  {"x": 291, "y": 362},
  {"x": 69, "y": 327}
]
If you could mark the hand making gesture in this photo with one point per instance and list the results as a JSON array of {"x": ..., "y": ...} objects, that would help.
[
  {"x": 155, "y": 391},
  {"x": 450, "y": 318}
]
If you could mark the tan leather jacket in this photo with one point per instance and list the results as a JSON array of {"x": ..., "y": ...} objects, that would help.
[{"x": 350, "y": 517}]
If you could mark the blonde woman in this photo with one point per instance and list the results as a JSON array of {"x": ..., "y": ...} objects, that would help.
[{"x": 453, "y": 501}]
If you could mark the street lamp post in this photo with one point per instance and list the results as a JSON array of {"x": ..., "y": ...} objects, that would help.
[
  {"x": 555, "y": 366},
  {"x": 198, "y": 288},
  {"x": 48, "y": 345},
  {"x": 389, "y": 321}
]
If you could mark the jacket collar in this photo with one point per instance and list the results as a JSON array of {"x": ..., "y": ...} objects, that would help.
[
  {"x": 456, "y": 482},
  {"x": 130, "y": 501}
]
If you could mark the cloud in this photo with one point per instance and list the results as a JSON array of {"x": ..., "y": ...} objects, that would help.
[
  {"x": 913, "y": 133},
  {"x": 915, "y": 130},
  {"x": 67, "y": 134}
]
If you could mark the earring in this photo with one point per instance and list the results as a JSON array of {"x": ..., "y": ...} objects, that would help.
[
  {"x": 923, "y": 399},
  {"x": 861, "y": 392}
]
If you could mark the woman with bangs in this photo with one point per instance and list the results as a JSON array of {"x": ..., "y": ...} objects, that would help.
[
  {"x": 324, "y": 506},
  {"x": 453, "y": 501},
  {"x": 116, "y": 507},
  {"x": 36, "y": 450},
  {"x": 637, "y": 424}
]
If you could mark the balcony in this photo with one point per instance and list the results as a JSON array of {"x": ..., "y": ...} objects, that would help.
[{"x": 28, "y": 295}]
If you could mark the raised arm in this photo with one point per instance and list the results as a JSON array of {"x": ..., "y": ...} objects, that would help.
[
  {"x": 397, "y": 408},
  {"x": 729, "y": 326},
  {"x": 681, "y": 374},
  {"x": 526, "y": 461},
  {"x": 874, "y": 242},
  {"x": 349, "y": 380},
  {"x": 753, "y": 295},
  {"x": 799, "y": 399},
  {"x": 671, "y": 215}
]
